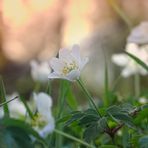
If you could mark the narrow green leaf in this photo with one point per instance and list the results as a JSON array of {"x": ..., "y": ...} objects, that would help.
[
  {"x": 106, "y": 84},
  {"x": 27, "y": 107},
  {"x": 108, "y": 146},
  {"x": 3, "y": 97},
  {"x": 140, "y": 62}
]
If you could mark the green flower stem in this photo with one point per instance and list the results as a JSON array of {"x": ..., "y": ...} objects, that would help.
[
  {"x": 73, "y": 138},
  {"x": 137, "y": 84},
  {"x": 8, "y": 101},
  {"x": 61, "y": 104},
  {"x": 3, "y": 97},
  {"x": 27, "y": 107},
  {"x": 88, "y": 96}
]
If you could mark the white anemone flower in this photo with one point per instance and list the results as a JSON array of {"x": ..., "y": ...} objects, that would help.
[
  {"x": 16, "y": 107},
  {"x": 139, "y": 34},
  {"x": 143, "y": 100},
  {"x": 68, "y": 65},
  {"x": 130, "y": 66},
  {"x": 43, "y": 122},
  {"x": 40, "y": 70}
]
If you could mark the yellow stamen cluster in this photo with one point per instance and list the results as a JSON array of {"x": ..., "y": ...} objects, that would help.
[
  {"x": 69, "y": 67},
  {"x": 38, "y": 121}
]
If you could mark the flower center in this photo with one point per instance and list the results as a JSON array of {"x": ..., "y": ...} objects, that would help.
[
  {"x": 39, "y": 121},
  {"x": 69, "y": 67}
]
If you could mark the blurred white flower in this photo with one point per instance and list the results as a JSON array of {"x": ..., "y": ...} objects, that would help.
[
  {"x": 68, "y": 65},
  {"x": 16, "y": 107},
  {"x": 43, "y": 122},
  {"x": 130, "y": 66},
  {"x": 139, "y": 34},
  {"x": 143, "y": 100},
  {"x": 40, "y": 71}
]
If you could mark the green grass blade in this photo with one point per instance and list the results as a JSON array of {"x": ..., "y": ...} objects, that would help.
[
  {"x": 27, "y": 107},
  {"x": 145, "y": 66},
  {"x": 3, "y": 97}
]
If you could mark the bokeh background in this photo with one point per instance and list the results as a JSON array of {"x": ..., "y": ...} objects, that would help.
[{"x": 37, "y": 29}]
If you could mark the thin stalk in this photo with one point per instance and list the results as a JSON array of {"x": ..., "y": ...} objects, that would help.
[
  {"x": 88, "y": 96},
  {"x": 73, "y": 138},
  {"x": 115, "y": 83},
  {"x": 61, "y": 102},
  {"x": 120, "y": 12},
  {"x": 3, "y": 96},
  {"x": 8, "y": 101},
  {"x": 106, "y": 83},
  {"x": 137, "y": 84},
  {"x": 27, "y": 107},
  {"x": 48, "y": 89}
]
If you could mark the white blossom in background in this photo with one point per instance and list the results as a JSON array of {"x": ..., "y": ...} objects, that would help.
[
  {"x": 16, "y": 107},
  {"x": 130, "y": 66},
  {"x": 69, "y": 64},
  {"x": 40, "y": 70},
  {"x": 143, "y": 100},
  {"x": 139, "y": 34},
  {"x": 43, "y": 122}
]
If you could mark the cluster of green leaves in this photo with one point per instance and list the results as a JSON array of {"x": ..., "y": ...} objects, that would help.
[{"x": 84, "y": 128}]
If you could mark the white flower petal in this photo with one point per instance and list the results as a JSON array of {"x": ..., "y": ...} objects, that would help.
[
  {"x": 43, "y": 103},
  {"x": 73, "y": 75},
  {"x": 126, "y": 72},
  {"x": 40, "y": 71},
  {"x": 76, "y": 52},
  {"x": 54, "y": 75},
  {"x": 57, "y": 64},
  {"x": 84, "y": 62},
  {"x": 120, "y": 59},
  {"x": 139, "y": 34},
  {"x": 69, "y": 64},
  {"x": 63, "y": 53},
  {"x": 47, "y": 129}
]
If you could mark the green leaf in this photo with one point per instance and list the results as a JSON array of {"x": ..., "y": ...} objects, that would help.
[
  {"x": 108, "y": 146},
  {"x": 27, "y": 107},
  {"x": 20, "y": 136},
  {"x": 88, "y": 119},
  {"x": 124, "y": 118},
  {"x": 145, "y": 66},
  {"x": 117, "y": 113},
  {"x": 75, "y": 117},
  {"x": 91, "y": 112},
  {"x": 144, "y": 106},
  {"x": 3, "y": 97},
  {"x": 102, "y": 123},
  {"x": 141, "y": 116},
  {"x": 10, "y": 122},
  {"x": 91, "y": 132},
  {"x": 114, "y": 110},
  {"x": 127, "y": 108},
  {"x": 143, "y": 142},
  {"x": 71, "y": 100},
  {"x": 106, "y": 83}
]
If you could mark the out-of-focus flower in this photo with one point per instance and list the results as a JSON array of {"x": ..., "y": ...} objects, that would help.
[
  {"x": 16, "y": 107},
  {"x": 143, "y": 100},
  {"x": 68, "y": 65},
  {"x": 43, "y": 122},
  {"x": 139, "y": 34},
  {"x": 40, "y": 71},
  {"x": 130, "y": 66}
]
